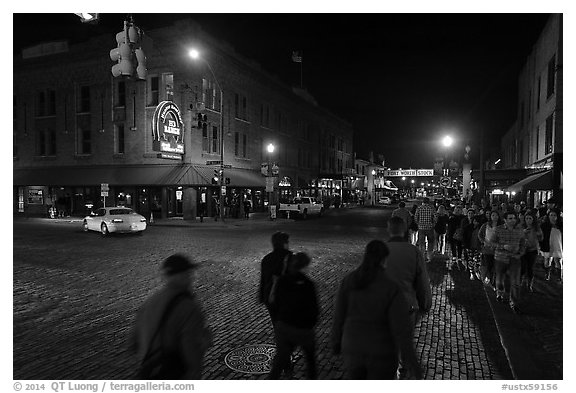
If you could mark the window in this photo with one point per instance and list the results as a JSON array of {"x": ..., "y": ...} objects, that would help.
[
  {"x": 537, "y": 142},
  {"x": 46, "y": 143},
  {"x": 548, "y": 145},
  {"x": 529, "y": 104},
  {"x": 236, "y": 143},
  {"x": 84, "y": 103},
  {"x": 539, "y": 93},
  {"x": 244, "y": 145},
  {"x": 551, "y": 76},
  {"x": 51, "y": 104},
  {"x": 240, "y": 107},
  {"x": 209, "y": 95},
  {"x": 214, "y": 139},
  {"x": 153, "y": 91},
  {"x": 119, "y": 139},
  {"x": 41, "y": 104},
  {"x": 522, "y": 114},
  {"x": 168, "y": 80},
  {"x": 264, "y": 115},
  {"x": 121, "y": 94},
  {"x": 84, "y": 141},
  {"x": 205, "y": 140}
]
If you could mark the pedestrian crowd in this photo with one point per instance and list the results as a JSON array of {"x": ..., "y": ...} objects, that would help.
[
  {"x": 498, "y": 244},
  {"x": 377, "y": 305}
]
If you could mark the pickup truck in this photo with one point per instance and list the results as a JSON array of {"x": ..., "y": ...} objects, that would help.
[{"x": 302, "y": 207}]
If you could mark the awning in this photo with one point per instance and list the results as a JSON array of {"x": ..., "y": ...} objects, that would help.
[
  {"x": 537, "y": 181},
  {"x": 125, "y": 175},
  {"x": 239, "y": 177}
]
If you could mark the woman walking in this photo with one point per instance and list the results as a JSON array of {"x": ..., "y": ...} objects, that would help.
[
  {"x": 534, "y": 235},
  {"x": 486, "y": 236},
  {"x": 454, "y": 235},
  {"x": 372, "y": 321},
  {"x": 440, "y": 227},
  {"x": 551, "y": 245}
]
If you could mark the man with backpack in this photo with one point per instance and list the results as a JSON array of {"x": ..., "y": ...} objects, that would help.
[
  {"x": 424, "y": 218},
  {"x": 171, "y": 331}
]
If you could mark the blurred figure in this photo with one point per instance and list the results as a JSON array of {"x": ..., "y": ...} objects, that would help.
[
  {"x": 440, "y": 227},
  {"x": 413, "y": 227},
  {"x": 487, "y": 235},
  {"x": 371, "y": 323},
  {"x": 454, "y": 236},
  {"x": 405, "y": 265},
  {"x": 273, "y": 266},
  {"x": 405, "y": 215},
  {"x": 171, "y": 332},
  {"x": 296, "y": 311}
]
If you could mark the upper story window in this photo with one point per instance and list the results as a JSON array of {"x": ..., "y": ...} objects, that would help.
[
  {"x": 159, "y": 88},
  {"x": 551, "y": 76},
  {"x": 153, "y": 90},
  {"x": 539, "y": 92},
  {"x": 46, "y": 103},
  {"x": 209, "y": 95},
  {"x": 240, "y": 107},
  {"x": 265, "y": 115},
  {"x": 46, "y": 143},
  {"x": 84, "y": 99},
  {"x": 548, "y": 142}
]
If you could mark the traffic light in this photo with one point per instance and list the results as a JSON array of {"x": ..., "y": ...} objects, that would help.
[
  {"x": 202, "y": 122},
  {"x": 129, "y": 54},
  {"x": 216, "y": 176},
  {"x": 227, "y": 181}
]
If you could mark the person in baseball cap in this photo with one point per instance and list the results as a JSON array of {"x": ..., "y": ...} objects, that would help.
[{"x": 178, "y": 263}]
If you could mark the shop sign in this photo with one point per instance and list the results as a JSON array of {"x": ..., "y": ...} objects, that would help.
[
  {"x": 408, "y": 172},
  {"x": 169, "y": 156},
  {"x": 168, "y": 129},
  {"x": 35, "y": 196}
]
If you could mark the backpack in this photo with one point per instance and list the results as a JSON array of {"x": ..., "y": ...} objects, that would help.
[{"x": 157, "y": 363}]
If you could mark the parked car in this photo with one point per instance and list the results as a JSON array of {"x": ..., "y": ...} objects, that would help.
[
  {"x": 302, "y": 207},
  {"x": 108, "y": 220},
  {"x": 385, "y": 200}
]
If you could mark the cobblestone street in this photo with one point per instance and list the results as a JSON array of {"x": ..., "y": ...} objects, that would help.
[{"x": 76, "y": 294}]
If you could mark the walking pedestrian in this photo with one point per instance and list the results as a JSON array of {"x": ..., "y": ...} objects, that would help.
[
  {"x": 405, "y": 265},
  {"x": 273, "y": 265},
  {"x": 413, "y": 227},
  {"x": 471, "y": 245},
  {"x": 534, "y": 236},
  {"x": 510, "y": 246},
  {"x": 440, "y": 228},
  {"x": 486, "y": 235},
  {"x": 424, "y": 218},
  {"x": 404, "y": 214},
  {"x": 371, "y": 322},
  {"x": 296, "y": 309},
  {"x": 246, "y": 208},
  {"x": 454, "y": 236},
  {"x": 171, "y": 332},
  {"x": 551, "y": 245}
]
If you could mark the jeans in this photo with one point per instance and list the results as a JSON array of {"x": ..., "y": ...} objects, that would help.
[
  {"x": 423, "y": 235},
  {"x": 528, "y": 261},
  {"x": 487, "y": 268},
  {"x": 456, "y": 247},
  {"x": 287, "y": 339},
  {"x": 513, "y": 269}
]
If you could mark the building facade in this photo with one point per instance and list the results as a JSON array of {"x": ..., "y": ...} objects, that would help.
[
  {"x": 535, "y": 142},
  {"x": 158, "y": 143}
]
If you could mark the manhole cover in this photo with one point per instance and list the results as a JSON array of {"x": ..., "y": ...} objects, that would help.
[{"x": 252, "y": 359}]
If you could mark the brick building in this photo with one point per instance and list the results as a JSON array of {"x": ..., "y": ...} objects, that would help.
[
  {"x": 535, "y": 142},
  {"x": 77, "y": 127}
]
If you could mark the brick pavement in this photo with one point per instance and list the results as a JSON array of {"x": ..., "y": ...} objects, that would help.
[{"x": 72, "y": 319}]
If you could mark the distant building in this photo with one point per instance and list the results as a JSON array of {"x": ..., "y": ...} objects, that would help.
[{"x": 76, "y": 127}]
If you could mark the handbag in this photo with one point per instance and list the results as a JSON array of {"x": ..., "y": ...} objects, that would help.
[{"x": 158, "y": 363}]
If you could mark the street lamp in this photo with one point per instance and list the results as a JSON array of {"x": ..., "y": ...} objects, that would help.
[
  {"x": 373, "y": 187},
  {"x": 195, "y": 55},
  {"x": 270, "y": 150}
]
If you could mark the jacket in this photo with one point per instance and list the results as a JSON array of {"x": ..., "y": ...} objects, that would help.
[
  {"x": 486, "y": 235},
  {"x": 454, "y": 223},
  {"x": 296, "y": 303},
  {"x": 371, "y": 321},
  {"x": 272, "y": 265},
  {"x": 184, "y": 331},
  {"x": 546, "y": 229},
  {"x": 405, "y": 265}
]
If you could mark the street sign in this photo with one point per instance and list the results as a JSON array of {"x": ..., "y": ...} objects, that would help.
[
  {"x": 104, "y": 193},
  {"x": 275, "y": 169},
  {"x": 223, "y": 190},
  {"x": 445, "y": 181},
  {"x": 104, "y": 187},
  {"x": 213, "y": 162}
]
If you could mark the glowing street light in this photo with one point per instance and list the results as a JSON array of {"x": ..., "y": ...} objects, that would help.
[{"x": 447, "y": 141}]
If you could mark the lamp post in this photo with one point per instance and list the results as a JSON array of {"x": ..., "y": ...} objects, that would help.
[
  {"x": 447, "y": 142},
  {"x": 270, "y": 150},
  {"x": 194, "y": 54},
  {"x": 373, "y": 187}
]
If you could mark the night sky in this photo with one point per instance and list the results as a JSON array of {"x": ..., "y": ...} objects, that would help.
[{"x": 402, "y": 80}]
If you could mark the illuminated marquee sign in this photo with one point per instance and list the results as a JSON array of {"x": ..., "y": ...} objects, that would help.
[
  {"x": 168, "y": 131},
  {"x": 408, "y": 172}
]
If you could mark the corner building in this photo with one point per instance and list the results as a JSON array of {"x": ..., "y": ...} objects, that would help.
[{"x": 76, "y": 127}]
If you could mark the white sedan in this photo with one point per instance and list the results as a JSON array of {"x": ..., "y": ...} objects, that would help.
[
  {"x": 385, "y": 200},
  {"x": 114, "y": 219}
]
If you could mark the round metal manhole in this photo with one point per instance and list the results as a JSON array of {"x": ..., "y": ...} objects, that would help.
[{"x": 251, "y": 359}]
